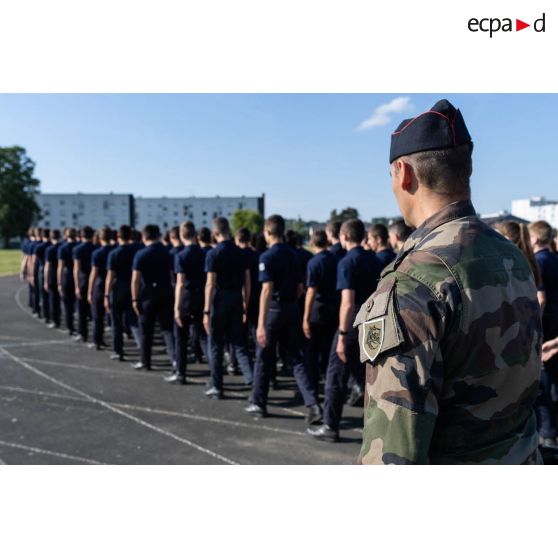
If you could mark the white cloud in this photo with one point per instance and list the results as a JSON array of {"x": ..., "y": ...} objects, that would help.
[{"x": 382, "y": 115}]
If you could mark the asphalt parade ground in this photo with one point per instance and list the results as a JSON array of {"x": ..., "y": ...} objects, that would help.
[{"x": 62, "y": 403}]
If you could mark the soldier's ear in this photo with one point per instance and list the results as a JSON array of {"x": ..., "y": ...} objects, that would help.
[{"x": 406, "y": 175}]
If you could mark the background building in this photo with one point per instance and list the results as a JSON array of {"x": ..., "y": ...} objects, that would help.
[
  {"x": 537, "y": 209},
  {"x": 168, "y": 212},
  {"x": 75, "y": 210}
]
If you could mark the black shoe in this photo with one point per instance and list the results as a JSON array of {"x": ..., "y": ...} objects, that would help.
[
  {"x": 256, "y": 411},
  {"x": 116, "y": 356},
  {"x": 315, "y": 414},
  {"x": 323, "y": 433},
  {"x": 356, "y": 397},
  {"x": 176, "y": 379},
  {"x": 275, "y": 385},
  {"x": 213, "y": 393}
]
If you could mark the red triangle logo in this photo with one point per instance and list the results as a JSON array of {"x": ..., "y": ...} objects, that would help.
[{"x": 519, "y": 25}]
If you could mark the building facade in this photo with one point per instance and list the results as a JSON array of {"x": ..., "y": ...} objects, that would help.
[
  {"x": 75, "y": 210},
  {"x": 170, "y": 212},
  {"x": 537, "y": 209}
]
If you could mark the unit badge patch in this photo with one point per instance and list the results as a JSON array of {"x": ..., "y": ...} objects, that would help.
[{"x": 373, "y": 337}]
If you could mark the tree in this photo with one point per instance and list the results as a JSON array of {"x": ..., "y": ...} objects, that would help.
[
  {"x": 344, "y": 214},
  {"x": 18, "y": 187},
  {"x": 247, "y": 218}
]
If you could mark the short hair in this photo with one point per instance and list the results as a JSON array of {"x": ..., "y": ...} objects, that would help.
[
  {"x": 243, "y": 235},
  {"x": 291, "y": 238},
  {"x": 166, "y": 237},
  {"x": 105, "y": 234},
  {"x": 221, "y": 226},
  {"x": 46, "y": 233},
  {"x": 188, "y": 230},
  {"x": 31, "y": 231},
  {"x": 151, "y": 232},
  {"x": 136, "y": 235},
  {"x": 334, "y": 228},
  {"x": 444, "y": 171},
  {"x": 319, "y": 239},
  {"x": 275, "y": 226},
  {"x": 401, "y": 230},
  {"x": 87, "y": 232},
  {"x": 204, "y": 234},
  {"x": 174, "y": 233},
  {"x": 258, "y": 243},
  {"x": 354, "y": 230},
  {"x": 125, "y": 232},
  {"x": 543, "y": 230},
  {"x": 70, "y": 232},
  {"x": 55, "y": 234},
  {"x": 38, "y": 232},
  {"x": 379, "y": 231}
]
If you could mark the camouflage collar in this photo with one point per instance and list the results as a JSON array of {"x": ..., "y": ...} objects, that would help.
[{"x": 451, "y": 212}]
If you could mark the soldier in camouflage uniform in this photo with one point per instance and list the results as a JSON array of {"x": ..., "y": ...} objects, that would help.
[{"x": 452, "y": 334}]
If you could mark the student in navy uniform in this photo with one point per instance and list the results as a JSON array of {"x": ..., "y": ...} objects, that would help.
[
  {"x": 118, "y": 295},
  {"x": 204, "y": 239},
  {"x": 81, "y": 255},
  {"x": 152, "y": 296},
  {"x": 51, "y": 278},
  {"x": 227, "y": 292},
  {"x": 242, "y": 238},
  {"x": 378, "y": 240},
  {"x": 34, "y": 272},
  {"x": 357, "y": 278},
  {"x": 332, "y": 231},
  {"x": 25, "y": 262},
  {"x": 175, "y": 247},
  {"x": 40, "y": 254},
  {"x": 188, "y": 300},
  {"x": 65, "y": 278},
  {"x": 321, "y": 308},
  {"x": 280, "y": 321},
  {"x": 96, "y": 289},
  {"x": 540, "y": 233}
]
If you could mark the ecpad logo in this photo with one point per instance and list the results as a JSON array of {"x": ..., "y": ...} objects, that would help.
[{"x": 493, "y": 25}]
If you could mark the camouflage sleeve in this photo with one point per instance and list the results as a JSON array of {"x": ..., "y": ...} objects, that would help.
[{"x": 400, "y": 331}]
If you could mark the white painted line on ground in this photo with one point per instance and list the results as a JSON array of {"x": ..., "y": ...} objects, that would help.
[
  {"x": 166, "y": 412},
  {"x": 33, "y": 344},
  {"x": 53, "y": 453},
  {"x": 119, "y": 411}
]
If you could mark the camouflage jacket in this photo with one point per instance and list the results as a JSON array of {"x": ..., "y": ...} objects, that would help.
[{"x": 452, "y": 339}]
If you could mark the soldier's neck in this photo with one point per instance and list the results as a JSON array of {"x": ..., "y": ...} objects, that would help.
[{"x": 429, "y": 204}]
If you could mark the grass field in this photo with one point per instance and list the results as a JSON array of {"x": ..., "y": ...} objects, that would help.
[{"x": 9, "y": 262}]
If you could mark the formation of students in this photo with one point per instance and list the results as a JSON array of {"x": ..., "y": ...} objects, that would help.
[
  {"x": 250, "y": 301},
  {"x": 247, "y": 301}
]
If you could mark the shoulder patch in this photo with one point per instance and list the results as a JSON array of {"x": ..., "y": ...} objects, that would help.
[
  {"x": 262, "y": 266},
  {"x": 372, "y": 337}
]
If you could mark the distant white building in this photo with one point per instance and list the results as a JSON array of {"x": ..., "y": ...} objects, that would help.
[
  {"x": 76, "y": 210},
  {"x": 169, "y": 212},
  {"x": 536, "y": 209}
]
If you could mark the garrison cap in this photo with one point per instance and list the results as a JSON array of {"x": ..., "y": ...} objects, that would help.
[{"x": 439, "y": 128}]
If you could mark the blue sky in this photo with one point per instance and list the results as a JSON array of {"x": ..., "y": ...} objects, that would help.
[{"x": 305, "y": 152}]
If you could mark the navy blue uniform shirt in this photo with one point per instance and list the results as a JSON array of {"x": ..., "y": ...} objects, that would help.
[
  {"x": 359, "y": 271},
  {"x": 51, "y": 256},
  {"x": 120, "y": 261},
  {"x": 65, "y": 253},
  {"x": 548, "y": 266},
  {"x": 280, "y": 264},
  {"x": 155, "y": 264},
  {"x": 322, "y": 274},
  {"x": 99, "y": 259},
  {"x": 229, "y": 263},
  {"x": 82, "y": 253},
  {"x": 252, "y": 263},
  {"x": 191, "y": 261},
  {"x": 338, "y": 251},
  {"x": 40, "y": 251},
  {"x": 386, "y": 256}
]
